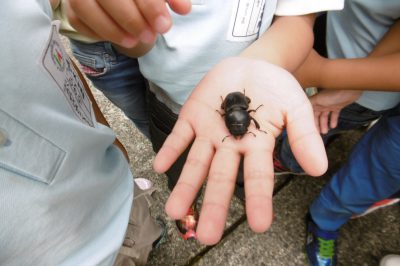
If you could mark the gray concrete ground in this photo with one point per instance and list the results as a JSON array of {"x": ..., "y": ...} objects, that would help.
[{"x": 362, "y": 241}]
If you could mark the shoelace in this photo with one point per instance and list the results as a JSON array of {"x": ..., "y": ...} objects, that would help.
[{"x": 326, "y": 248}]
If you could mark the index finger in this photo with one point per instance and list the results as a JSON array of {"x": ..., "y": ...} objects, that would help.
[
  {"x": 128, "y": 16},
  {"x": 90, "y": 13},
  {"x": 180, "y": 138}
]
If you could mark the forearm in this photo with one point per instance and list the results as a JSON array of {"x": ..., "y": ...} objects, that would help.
[
  {"x": 286, "y": 43},
  {"x": 371, "y": 73},
  {"x": 390, "y": 43},
  {"x": 379, "y": 71}
]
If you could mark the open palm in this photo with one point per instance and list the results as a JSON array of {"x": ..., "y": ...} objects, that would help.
[{"x": 284, "y": 105}]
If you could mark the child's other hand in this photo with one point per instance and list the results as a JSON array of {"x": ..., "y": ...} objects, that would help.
[
  {"x": 327, "y": 105},
  {"x": 124, "y": 22},
  {"x": 210, "y": 158}
]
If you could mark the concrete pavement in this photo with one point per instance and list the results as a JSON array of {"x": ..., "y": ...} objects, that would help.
[{"x": 362, "y": 241}]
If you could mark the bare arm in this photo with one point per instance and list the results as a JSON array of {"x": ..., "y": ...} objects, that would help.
[
  {"x": 370, "y": 73},
  {"x": 379, "y": 71},
  {"x": 286, "y": 43}
]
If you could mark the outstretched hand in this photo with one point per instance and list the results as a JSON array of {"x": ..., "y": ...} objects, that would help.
[
  {"x": 284, "y": 104},
  {"x": 124, "y": 22}
]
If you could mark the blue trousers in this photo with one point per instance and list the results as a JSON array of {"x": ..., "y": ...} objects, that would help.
[
  {"x": 118, "y": 77},
  {"x": 371, "y": 174}
]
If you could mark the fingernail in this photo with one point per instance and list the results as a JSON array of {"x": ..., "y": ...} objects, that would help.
[
  {"x": 146, "y": 36},
  {"x": 128, "y": 42},
  {"x": 162, "y": 24}
]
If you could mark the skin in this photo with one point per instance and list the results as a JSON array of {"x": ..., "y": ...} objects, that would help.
[
  {"x": 286, "y": 44},
  {"x": 262, "y": 69},
  {"x": 343, "y": 80},
  {"x": 215, "y": 162},
  {"x": 126, "y": 23}
]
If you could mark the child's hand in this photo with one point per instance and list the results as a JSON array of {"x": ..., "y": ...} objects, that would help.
[
  {"x": 284, "y": 105},
  {"x": 124, "y": 22},
  {"x": 327, "y": 105}
]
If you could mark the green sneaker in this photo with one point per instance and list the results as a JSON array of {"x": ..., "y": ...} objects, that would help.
[{"x": 321, "y": 245}]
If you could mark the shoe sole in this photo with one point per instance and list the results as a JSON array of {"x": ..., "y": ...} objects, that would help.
[{"x": 374, "y": 208}]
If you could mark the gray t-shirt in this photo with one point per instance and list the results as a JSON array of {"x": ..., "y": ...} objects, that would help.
[
  {"x": 212, "y": 31},
  {"x": 354, "y": 31}
]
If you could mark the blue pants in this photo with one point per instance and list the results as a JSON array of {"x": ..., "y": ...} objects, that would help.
[
  {"x": 118, "y": 77},
  {"x": 353, "y": 116},
  {"x": 371, "y": 174}
]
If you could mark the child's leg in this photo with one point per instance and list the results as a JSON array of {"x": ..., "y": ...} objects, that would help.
[
  {"x": 371, "y": 174},
  {"x": 118, "y": 77}
]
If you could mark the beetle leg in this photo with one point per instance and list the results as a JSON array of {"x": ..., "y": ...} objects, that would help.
[
  {"x": 225, "y": 137},
  {"x": 249, "y": 132},
  {"x": 263, "y": 131},
  {"x": 220, "y": 113},
  {"x": 255, "y": 110},
  {"x": 222, "y": 103},
  {"x": 258, "y": 125}
]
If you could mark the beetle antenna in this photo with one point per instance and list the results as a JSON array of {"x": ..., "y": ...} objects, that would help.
[
  {"x": 258, "y": 107},
  {"x": 255, "y": 110}
]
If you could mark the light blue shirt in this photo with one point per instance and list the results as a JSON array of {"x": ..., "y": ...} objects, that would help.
[
  {"x": 355, "y": 31},
  {"x": 65, "y": 189}
]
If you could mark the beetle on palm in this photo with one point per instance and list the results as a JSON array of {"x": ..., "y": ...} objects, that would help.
[{"x": 237, "y": 114}]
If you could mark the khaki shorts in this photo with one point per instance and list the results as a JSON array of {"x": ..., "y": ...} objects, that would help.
[{"x": 142, "y": 231}]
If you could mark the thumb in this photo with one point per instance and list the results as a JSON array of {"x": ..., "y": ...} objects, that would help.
[
  {"x": 181, "y": 7},
  {"x": 306, "y": 142}
]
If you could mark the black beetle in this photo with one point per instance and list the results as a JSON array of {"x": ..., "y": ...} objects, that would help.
[{"x": 237, "y": 114}]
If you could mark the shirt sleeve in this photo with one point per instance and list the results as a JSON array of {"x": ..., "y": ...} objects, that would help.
[{"x": 302, "y": 7}]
